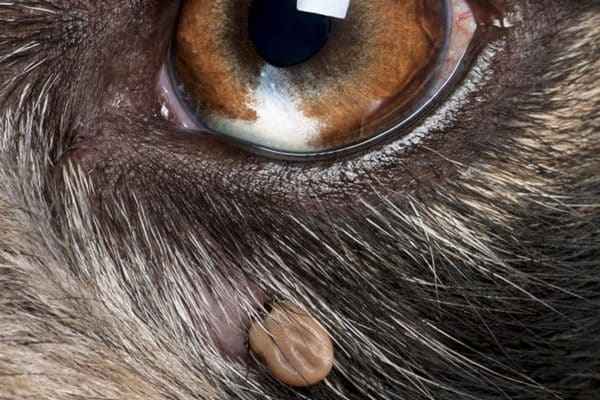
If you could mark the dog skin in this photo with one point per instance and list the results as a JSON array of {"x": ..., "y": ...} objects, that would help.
[{"x": 134, "y": 255}]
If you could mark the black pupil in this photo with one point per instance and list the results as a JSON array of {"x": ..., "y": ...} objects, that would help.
[{"x": 284, "y": 36}]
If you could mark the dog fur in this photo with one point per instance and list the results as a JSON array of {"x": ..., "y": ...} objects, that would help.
[{"x": 476, "y": 279}]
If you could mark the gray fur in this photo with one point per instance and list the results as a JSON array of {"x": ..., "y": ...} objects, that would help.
[{"x": 487, "y": 286}]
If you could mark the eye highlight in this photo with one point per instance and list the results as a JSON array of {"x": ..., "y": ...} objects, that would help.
[{"x": 325, "y": 85}]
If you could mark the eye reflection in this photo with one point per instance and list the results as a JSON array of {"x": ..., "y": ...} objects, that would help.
[{"x": 378, "y": 68}]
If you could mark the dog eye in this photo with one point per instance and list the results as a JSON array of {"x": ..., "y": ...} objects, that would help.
[{"x": 304, "y": 77}]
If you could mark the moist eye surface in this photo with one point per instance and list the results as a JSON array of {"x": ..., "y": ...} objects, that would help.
[{"x": 266, "y": 74}]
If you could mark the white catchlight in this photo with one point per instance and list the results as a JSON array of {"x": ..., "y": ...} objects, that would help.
[{"x": 330, "y": 8}]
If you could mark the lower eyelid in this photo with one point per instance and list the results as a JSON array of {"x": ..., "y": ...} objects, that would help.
[{"x": 446, "y": 113}]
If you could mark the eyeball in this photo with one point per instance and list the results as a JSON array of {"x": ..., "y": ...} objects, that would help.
[{"x": 310, "y": 77}]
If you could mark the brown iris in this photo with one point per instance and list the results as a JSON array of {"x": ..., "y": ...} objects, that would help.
[{"x": 371, "y": 71}]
